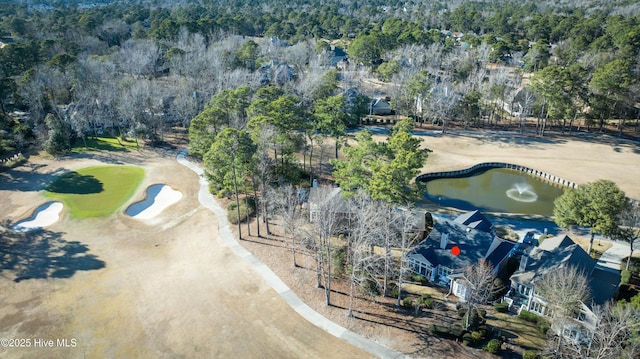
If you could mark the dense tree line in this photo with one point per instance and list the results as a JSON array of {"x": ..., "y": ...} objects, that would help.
[{"x": 54, "y": 54}]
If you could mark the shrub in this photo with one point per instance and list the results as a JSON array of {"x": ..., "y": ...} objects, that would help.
[
  {"x": 501, "y": 307},
  {"x": 528, "y": 316},
  {"x": 338, "y": 261},
  {"x": 475, "y": 319},
  {"x": 407, "y": 302},
  {"x": 232, "y": 213},
  {"x": 544, "y": 325},
  {"x": 483, "y": 331},
  {"x": 477, "y": 336},
  {"x": 530, "y": 354},
  {"x": 462, "y": 312},
  {"x": 394, "y": 291},
  {"x": 419, "y": 278},
  {"x": 625, "y": 275},
  {"x": 456, "y": 331},
  {"x": 494, "y": 346},
  {"x": 427, "y": 301},
  {"x": 467, "y": 339},
  {"x": 369, "y": 287}
]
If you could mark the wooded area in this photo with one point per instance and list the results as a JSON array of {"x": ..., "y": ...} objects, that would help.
[{"x": 137, "y": 67}]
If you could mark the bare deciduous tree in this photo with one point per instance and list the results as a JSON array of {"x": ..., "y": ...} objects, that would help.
[
  {"x": 362, "y": 228},
  {"x": 480, "y": 287},
  {"x": 565, "y": 289},
  {"x": 407, "y": 225},
  {"x": 613, "y": 335},
  {"x": 325, "y": 226},
  {"x": 262, "y": 135},
  {"x": 285, "y": 204},
  {"x": 137, "y": 57},
  {"x": 388, "y": 235},
  {"x": 616, "y": 333},
  {"x": 629, "y": 226}
]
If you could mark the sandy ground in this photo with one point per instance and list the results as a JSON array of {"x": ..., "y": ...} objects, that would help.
[
  {"x": 120, "y": 287},
  {"x": 44, "y": 216},
  {"x": 167, "y": 287},
  {"x": 158, "y": 198}
]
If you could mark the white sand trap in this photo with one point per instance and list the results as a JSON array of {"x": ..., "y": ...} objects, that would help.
[
  {"x": 46, "y": 215},
  {"x": 159, "y": 197}
]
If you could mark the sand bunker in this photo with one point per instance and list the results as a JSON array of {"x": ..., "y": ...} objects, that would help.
[
  {"x": 46, "y": 215},
  {"x": 159, "y": 197}
]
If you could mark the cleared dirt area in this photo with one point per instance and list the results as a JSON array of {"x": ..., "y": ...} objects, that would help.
[{"x": 167, "y": 286}]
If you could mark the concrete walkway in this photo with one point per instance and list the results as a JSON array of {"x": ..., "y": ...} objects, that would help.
[
  {"x": 612, "y": 257},
  {"x": 227, "y": 237}
]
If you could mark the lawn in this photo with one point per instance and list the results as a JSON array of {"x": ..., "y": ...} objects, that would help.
[
  {"x": 598, "y": 246},
  {"x": 519, "y": 332},
  {"x": 423, "y": 289},
  {"x": 104, "y": 144},
  {"x": 96, "y": 191}
]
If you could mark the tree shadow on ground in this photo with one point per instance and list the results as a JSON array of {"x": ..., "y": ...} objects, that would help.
[
  {"x": 531, "y": 140},
  {"x": 42, "y": 254},
  {"x": 75, "y": 183},
  {"x": 27, "y": 179}
]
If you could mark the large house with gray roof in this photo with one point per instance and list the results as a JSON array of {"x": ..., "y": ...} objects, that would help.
[
  {"x": 554, "y": 253},
  {"x": 473, "y": 235}
]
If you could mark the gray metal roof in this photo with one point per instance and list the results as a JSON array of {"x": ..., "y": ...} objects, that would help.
[
  {"x": 562, "y": 251},
  {"x": 474, "y": 245},
  {"x": 541, "y": 261},
  {"x": 475, "y": 219},
  {"x": 604, "y": 284}
]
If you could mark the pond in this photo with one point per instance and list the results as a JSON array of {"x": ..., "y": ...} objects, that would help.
[{"x": 496, "y": 190}]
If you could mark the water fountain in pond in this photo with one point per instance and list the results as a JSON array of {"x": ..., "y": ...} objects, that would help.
[{"x": 522, "y": 192}]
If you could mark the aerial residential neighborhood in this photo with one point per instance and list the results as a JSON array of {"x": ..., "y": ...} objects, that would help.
[{"x": 319, "y": 179}]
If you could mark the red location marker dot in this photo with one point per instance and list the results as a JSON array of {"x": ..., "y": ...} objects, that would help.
[{"x": 455, "y": 250}]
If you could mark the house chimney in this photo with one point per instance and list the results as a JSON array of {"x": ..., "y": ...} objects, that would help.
[
  {"x": 444, "y": 239},
  {"x": 523, "y": 262}
]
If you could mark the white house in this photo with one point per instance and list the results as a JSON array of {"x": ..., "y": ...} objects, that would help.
[{"x": 550, "y": 255}]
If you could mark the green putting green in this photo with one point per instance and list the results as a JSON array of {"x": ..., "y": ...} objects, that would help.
[{"x": 96, "y": 191}]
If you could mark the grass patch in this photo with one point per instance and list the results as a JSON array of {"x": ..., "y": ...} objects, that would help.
[
  {"x": 422, "y": 290},
  {"x": 507, "y": 233},
  {"x": 598, "y": 246},
  {"x": 524, "y": 334},
  {"x": 96, "y": 191},
  {"x": 104, "y": 144}
]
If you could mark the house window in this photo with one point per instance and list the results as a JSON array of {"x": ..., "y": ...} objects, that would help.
[
  {"x": 524, "y": 290},
  {"x": 537, "y": 307},
  {"x": 582, "y": 316},
  {"x": 415, "y": 265},
  {"x": 427, "y": 271},
  {"x": 444, "y": 271},
  {"x": 570, "y": 332},
  {"x": 460, "y": 290},
  {"x": 421, "y": 268}
]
